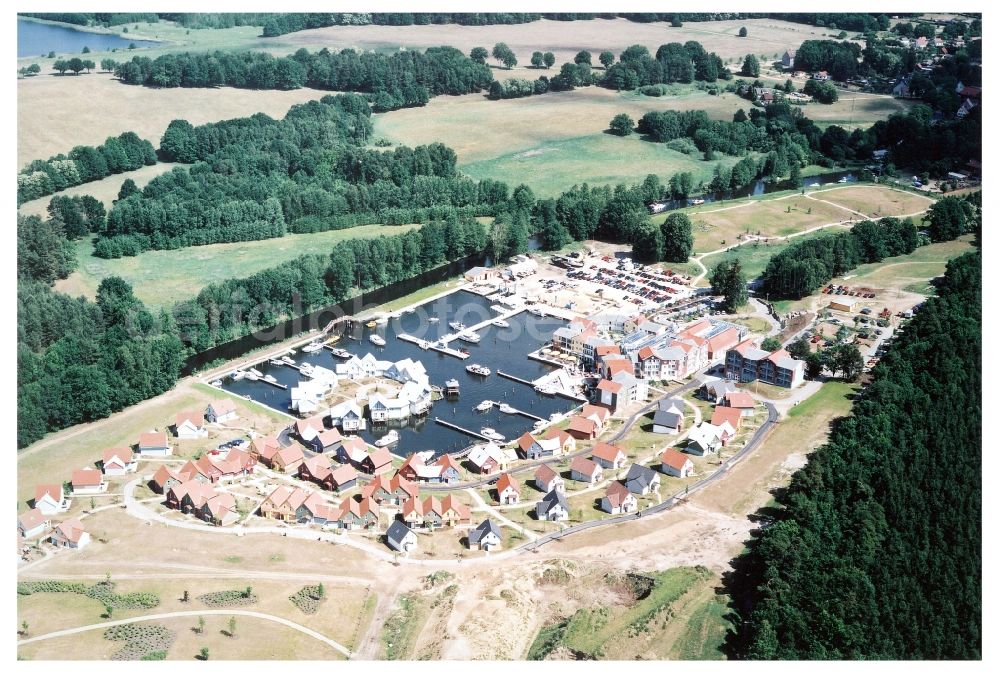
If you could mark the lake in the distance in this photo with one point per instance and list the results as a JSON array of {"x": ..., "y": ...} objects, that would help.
[{"x": 35, "y": 39}]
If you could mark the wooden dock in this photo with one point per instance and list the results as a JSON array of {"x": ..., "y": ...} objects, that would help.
[
  {"x": 466, "y": 431},
  {"x": 521, "y": 412},
  {"x": 274, "y": 383},
  {"x": 515, "y": 378}
]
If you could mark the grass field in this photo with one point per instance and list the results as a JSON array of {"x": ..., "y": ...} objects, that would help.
[
  {"x": 162, "y": 278},
  {"x": 596, "y": 159},
  {"x": 57, "y": 113},
  {"x": 755, "y": 255},
  {"x": 105, "y": 190},
  {"x": 875, "y": 201},
  {"x": 714, "y": 228}
]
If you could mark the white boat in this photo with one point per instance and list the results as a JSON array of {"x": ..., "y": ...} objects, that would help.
[
  {"x": 306, "y": 369},
  {"x": 426, "y": 455},
  {"x": 502, "y": 323},
  {"x": 842, "y": 180},
  {"x": 499, "y": 308},
  {"x": 341, "y": 353},
  {"x": 507, "y": 409},
  {"x": 539, "y": 424},
  {"x": 315, "y": 346},
  {"x": 432, "y": 320},
  {"x": 485, "y": 405},
  {"x": 470, "y": 337},
  {"x": 815, "y": 184},
  {"x": 491, "y": 434},
  {"x": 457, "y": 326},
  {"x": 545, "y": 389},
  {"x": 395, "y": 315},
  {"x": 277, "y": 362},
  {"x": 477, "y": 369},
  {"x": 238, "y": 375},
  {"x": 287, "y": 359},
  {"x": 423, "y": 344},
  {"x": 390, "y": 438},
  {"x": 216, "y": 384},
  {"x": 555, "y": 417},
  {"x": 270, "y": 378},
  {"x": 696, "y": 202},
  {"x": 377, "y": 339}
]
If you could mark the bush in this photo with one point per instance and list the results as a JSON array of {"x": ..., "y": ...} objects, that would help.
[
  {"x": 685, "y": 145},
  {"x": 142, "y": 641},
  {"x": 307, "y": 599},
  {"x": 104, "y": 593},
  {"x": 226, "y": 599}
]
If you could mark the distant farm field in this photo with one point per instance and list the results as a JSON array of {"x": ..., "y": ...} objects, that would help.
[
  {"x": 105, "y": 191},
  {"x": 161, "y": 278},
  {"x": 876, "y": 201},
  {"x": 57, "y": 113}
]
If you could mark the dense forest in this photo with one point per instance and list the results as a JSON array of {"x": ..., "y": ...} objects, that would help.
[
  {"x": 875, "y": 551},
  {"x": 83, "y": 164},
  {"x": 256, "y": 178},
  {"x": 401, "y": 79},
  {"x": 77, "y": 360},
  {"x": 806, "y": 265}
]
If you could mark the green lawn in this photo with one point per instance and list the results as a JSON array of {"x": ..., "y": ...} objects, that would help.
[
  {"x": 704, "y": 632},
  {"x": 597, "y": 159},
  {"x": 754, "y": 256},
  {"x": 161, "y": 278},
  {"x": 831, "y": 400}
]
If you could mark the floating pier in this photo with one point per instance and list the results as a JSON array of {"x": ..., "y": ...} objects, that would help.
[
  {"x": 515, "y": 378},
  {"x": 274, "y": 383},
  {"x": 521, "y": 412},
  {"x": 466, "y": 431}
]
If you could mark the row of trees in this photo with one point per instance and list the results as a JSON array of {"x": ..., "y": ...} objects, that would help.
[
  {"x": 806, "y": 265},
  {"x": 237, "y": 307},
  {"x": 875, "y": 551},
  {"x": 407, "y": 78},
  {"x": 83, "y": 164},
  {"x": 673, "y": 63}
]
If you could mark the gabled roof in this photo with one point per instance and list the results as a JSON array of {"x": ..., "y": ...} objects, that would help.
[
  {"x": 609, "y": 386},
  {"x": 379, "y": 482},
  {"x": 86, "y": 477},
  {"x": 545, "y": 474},
  {"x": 124, "y": 454},
  {"x": 401, "y": 483},
  {"x": 152, "y": 440},
  {"x": 730, "y": 415},
  {"x": 196, "y": 418},
  {"x": 223, "y": 406},
  {"x": 318, "y": 466},
  {"x": 55, "y": 492},
  {"x": 29, "y": 520},
  {"x": 617, "y": 493},
  {"x": 380, "y": 457},
  {"x": 676, "y": 460},
  {"x": 584, "y": 466},
  {"x": 303, "y": 426},
  {"x": 484, "y": 528},
  {"x": 355, "y": 448},
  {"x": 600, "y": 411},
  {"x": 740, "y": 400},
  {"x": 606, "y": 452},
  {"x": 525, "y": 441},
  {"x": 641, "y": 474},
  {"x": 398, "y": 531},
  {"x": 343, "y": 474},
  {"x": 558, "y": 434},
  {"x": 72, "y": 529},
  {"x": 292, "y": 454},
  {"x": 505, "y": 481},
  {"x": 553, "y": 498},
  {"x": 266, "y": 447},
  {"x": 668, "y": 419},
  {"x": 163, "y": 474},
  {"x": 613, "y": 366},
  {"x": 582, "y": 424},
  {"x": 451, "y": 503}
]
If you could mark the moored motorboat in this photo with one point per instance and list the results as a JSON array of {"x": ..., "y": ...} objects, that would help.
[
  {"x": 315, "y": 346},
  {"x": 491, "y": 434},
  {"x": 502, "y": 323},
  {"x": 478, "y": 369},
  {"x": 507, "y": 409},
  {"x": 433, "y": 320},
  {"x": 545, "y": 389},
  {"x": 457, "y": 326},
  {"x": 390, "y": 438},
  {"x": 341, "y": 353},
  {"x": 216, "y": 384},
  {"x": 376, "y": 339},
  {"x": 485, "y": 405},
  {"x": 470, "y": 337}
]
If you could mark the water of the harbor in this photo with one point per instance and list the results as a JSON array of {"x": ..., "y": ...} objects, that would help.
[{"x": 503, "y": 349}]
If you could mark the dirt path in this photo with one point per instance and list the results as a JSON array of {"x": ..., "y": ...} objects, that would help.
[
  {"x": 369, "y": 648},
  {"x": 193, "y": 613}
]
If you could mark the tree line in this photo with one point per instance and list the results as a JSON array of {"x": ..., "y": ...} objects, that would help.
[
  {"x": 400, "y": 79},
  {"x": 83, "y": 164},
  {"x": 237, "y": 307},
  {"x": 806, "y": 265},
  {"x": 875, "y": 550}
]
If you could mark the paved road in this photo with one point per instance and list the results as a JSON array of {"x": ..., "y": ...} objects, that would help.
[{"x": 192, "y": 613}]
